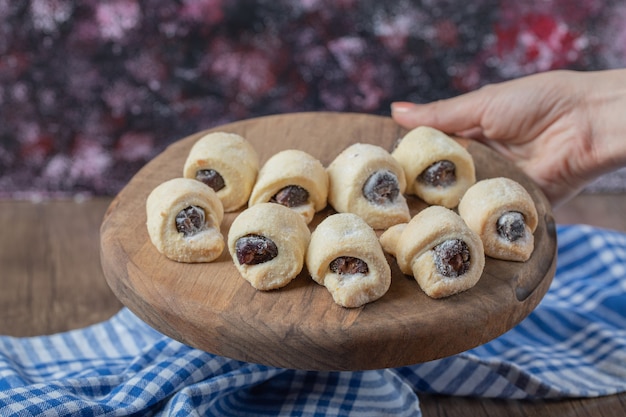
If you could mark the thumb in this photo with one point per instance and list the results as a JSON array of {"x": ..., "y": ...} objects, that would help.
[{"x": 458, "y": 114}]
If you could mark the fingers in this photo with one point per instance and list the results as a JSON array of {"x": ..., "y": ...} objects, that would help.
[{"x": 458, "y": 114}]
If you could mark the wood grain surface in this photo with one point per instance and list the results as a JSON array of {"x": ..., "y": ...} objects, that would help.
[
  {"x": 209, "y": 306},
  {"x": 50, "y": 267}
]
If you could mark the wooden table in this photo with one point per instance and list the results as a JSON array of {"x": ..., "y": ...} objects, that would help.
[{"x": 53, "y": 282}]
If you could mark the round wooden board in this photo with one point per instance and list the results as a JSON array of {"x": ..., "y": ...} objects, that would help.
[{"x": 210, "y": 307}]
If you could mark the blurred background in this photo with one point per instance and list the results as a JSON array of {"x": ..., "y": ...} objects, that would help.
[{"x": 91, "y": 90}]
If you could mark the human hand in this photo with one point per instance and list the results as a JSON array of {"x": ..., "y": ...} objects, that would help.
[{"x": 562, "y": 128}]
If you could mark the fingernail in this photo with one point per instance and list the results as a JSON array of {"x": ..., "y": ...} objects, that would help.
[{"x": 402, "y": 107}]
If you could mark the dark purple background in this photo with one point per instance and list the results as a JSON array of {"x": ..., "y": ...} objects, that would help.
[{"x": 91, "y": 90}]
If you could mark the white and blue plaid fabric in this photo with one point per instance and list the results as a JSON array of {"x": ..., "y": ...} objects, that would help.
[{"x": 572, "y": 345}]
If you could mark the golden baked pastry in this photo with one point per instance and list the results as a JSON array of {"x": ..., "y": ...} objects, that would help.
[
  {"x": 438, "y": 249},
  {"x": 183, "y": 220},
  {"x": 345, "y": 256},
  {"x": 294, "y": 179},
  {"x": 227, "y": 163},
  {"x": 268, "y": 243},
  {"x": 438, "y": 169},
  {"x": 367, "y": 181},
  {"x": 504, "y": 215}
]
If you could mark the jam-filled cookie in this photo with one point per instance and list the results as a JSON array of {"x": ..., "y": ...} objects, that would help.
[
  {"x": 227, "y": 163},
  {"x": 268, "y": 243},
  {"x": 183, "y": 220},
  {"x": 345, "y": 256},
  {"x": 367, "y": 181},
  {"x": 438, "y": 249},
  {"x": 294, "y": 179},
  {"x": 504, "y": 215},
  {"x": 438, "y": 169}
]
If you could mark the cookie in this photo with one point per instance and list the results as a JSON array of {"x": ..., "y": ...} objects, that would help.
[
  {"x": 437, "y": 248},
  {"x": 437, "y": 168},
  {"x": 267, "y": 243},
  {"x": 183, "y": 220},
  {"x": 365, "y": 180},
  {"x": 345, "y": 256},
  {"x": 295, "y": 179},
  {"x": 504, "y": 215},
  {"x": 227, "y": 163}
]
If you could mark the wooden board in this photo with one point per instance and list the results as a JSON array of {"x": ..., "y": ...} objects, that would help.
[{"x": 210, "y": 307}]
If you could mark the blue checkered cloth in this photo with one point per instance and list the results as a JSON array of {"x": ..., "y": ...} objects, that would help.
[{"x": 572, "y": 345}]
